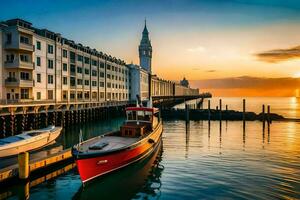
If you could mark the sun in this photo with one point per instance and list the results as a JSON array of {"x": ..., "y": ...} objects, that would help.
[{"x": 296, "y": 75}]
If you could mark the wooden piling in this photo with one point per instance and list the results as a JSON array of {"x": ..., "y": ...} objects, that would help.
[
  {"x": 187, "y": 114},
  {"x": 244, "y": 117},
  {"x": 23, "y": 161},
  {"x": 244, "y": 110},
  {"x": 263, "y": 113},
  {"x": 268, "y": 117},
  {"x": 208, "y": 108},
  {"x": 220, "y": 105}
]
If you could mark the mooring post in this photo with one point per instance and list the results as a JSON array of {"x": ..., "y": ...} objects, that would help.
[
  {"x": 269, "y": 118},
  {"x": 220, "y": 104},
  {"x": 263, "y": 113},
  {"x": 244, "y": 109},
  {"x": 187, "y": 114},
  {"x": 23, "y": 161},
  {"x": 208, "y": 108}
]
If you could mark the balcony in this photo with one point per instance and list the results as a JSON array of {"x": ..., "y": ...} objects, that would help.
[
  {"x": 13, "y": 82},
  {"x": 19, "y": 46},
  {"x": 17, "y": 63}
]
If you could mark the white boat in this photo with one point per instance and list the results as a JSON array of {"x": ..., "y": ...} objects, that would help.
[{"x": 28, "y": 141}]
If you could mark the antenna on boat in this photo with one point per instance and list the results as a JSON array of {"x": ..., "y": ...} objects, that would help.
[
  {"x": 80, "y": 137},
  {"x": 138, "y": 101},
  {"x": 150, "y": 102}
]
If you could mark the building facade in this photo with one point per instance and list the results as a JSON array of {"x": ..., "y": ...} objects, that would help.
[
  {"x": 141, "y": 76},
  {"x": 40, "y": 65}
]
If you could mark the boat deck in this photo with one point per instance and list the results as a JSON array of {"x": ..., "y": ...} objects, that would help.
[{"x": 107, "y": 143}]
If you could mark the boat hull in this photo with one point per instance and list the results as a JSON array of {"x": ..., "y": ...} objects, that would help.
[
  {"x": 94, "y": 166},
  {"x": 33, "y": 144}
]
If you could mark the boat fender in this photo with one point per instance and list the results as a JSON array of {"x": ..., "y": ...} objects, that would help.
[{"x": 151, "y": 141}]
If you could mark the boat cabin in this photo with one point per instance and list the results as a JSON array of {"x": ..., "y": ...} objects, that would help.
[{"x": 140, "y": 121}]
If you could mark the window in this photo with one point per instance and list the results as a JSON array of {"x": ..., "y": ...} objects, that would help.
[
  {"x": 38, "y": 61},
  {"x": 50, "y": 79},
  {"x": 38, "y": 45},
  {"x": 86, "y": 60},
  {"x": 79, "y": 81},
  {"x": 108, "y": 67},
  {"x": 72, "y": 68},
  {"x": 10, "y": 58},
  {"x": 79, "y": 95},
  {"x": 50, "y": 94},
  {"x": 38, "y": 78},
  {"x": 79, "y": 58},
  {"x": 24, "y": 76},
  {"x": 86, "y": 71},
  {"x": 8, "y": 38},
  {"x": 108, "y": 85},
  {"x": 101, "y": 84},
  {"x": 72, "y": 56},
  {"x": 94, "y": 95},
  {"x": 50, "y": 49},
  {"x": 72, "y": 81},
  {"x": 86, "y": 95},
  {"x": 65, "y": 80},
  {"x": 101, "y": 65},
  {"x": 79, "y": 70},
  {"x": 94, "y": 83},
  {"x": 94, "y": 73},
  {"x": 65, "y": 67},
  {"x": 24, "y": 39},
  {"x": 65, "y": 95},
  {"x": 102, "y": 74},
  {"x": 24, "y": 93},
  {"x": 38, "y": 95},
  {"x": 94, "y": 62},
  {"x": 108, "y": 76},
  {"x": 65, "y": 53},
  {"x": 102, "y": 95},
  {"x": 24, "y": 58},
  {"x": 86, "y": 82},
  {"x": 72, "y": 95},
  {"x": 50, "y": 64}
]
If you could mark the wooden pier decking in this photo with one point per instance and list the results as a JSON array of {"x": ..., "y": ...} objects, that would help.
[{"x": 11, "y": 172}]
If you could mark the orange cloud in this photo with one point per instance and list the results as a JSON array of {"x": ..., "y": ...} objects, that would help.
[
  {"x": 278, "y": 55},
  {"x": 249, "y": 86}
]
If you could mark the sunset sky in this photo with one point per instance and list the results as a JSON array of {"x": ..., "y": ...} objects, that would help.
[{"x": 212, "y": 42}]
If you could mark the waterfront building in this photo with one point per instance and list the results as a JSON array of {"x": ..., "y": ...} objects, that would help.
[
  {"x": 40, "y": 65},
  {"x": 141, "y": 76}
]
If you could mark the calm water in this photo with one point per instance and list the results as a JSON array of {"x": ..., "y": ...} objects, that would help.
[
  {"x": 196, "y": 162},
  {"x": 287, "y": 106}
]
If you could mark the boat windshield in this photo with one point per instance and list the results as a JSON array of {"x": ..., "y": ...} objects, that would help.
[{"x": 140, "y": 115}]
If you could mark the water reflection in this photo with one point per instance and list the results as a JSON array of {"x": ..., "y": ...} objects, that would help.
[
  {"x": 195, "y": 167},
  {"x": 134, "y": 181}
]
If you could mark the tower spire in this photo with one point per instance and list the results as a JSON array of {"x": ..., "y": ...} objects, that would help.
[{"x": 145, "y": 49}]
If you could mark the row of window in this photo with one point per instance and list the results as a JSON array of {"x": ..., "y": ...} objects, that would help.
[
  {"x": 72, "y": 68},
  {"x": 50, "y": 95}
]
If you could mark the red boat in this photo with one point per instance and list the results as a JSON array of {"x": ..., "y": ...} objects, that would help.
[{"x": 137, "y": 138}]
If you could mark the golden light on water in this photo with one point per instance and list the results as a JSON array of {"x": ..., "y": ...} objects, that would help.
[{"x": 297, "y": 93}]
